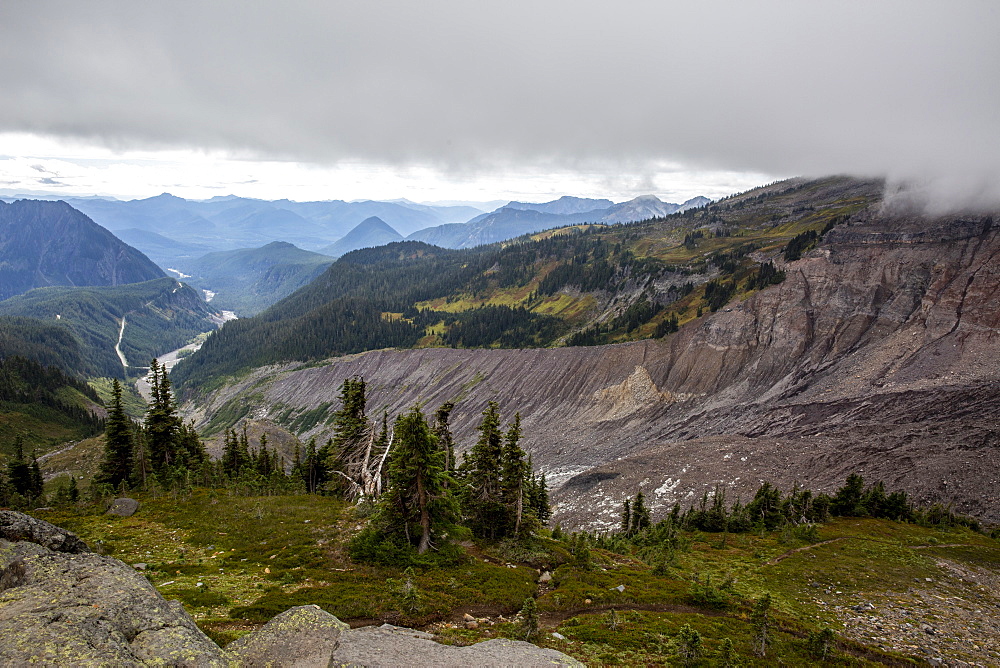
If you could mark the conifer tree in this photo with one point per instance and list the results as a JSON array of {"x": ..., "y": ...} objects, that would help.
[
  {"x": 37, "y": 482},
  {"x": 140, "y": 455},
  {"x": 443, "y": 432},
  {"x": 483, "y": 502},
  {"x": 191, "y": 450},
  {"x": 538, "y": 496},
  {"x": 231, "y": 454},
  {"x": 350, "y": 423},
  {"x": 264, "y": 464},
  {"x": 118, "y": 445},
  {"x": 162, "y": 423},
  {"x": 416, "y": 481},
  {"x": 19, "y": 471},
  {"x": 529, "y": 619},
  {"x": 640, "y": 514},
  {"x": 312, "y": 470},
  {"x": 688, "y": 645},
  {"x": 847, "y": 500},
  {"x": 760, "y": 622},
  {"x": 515, "y": 474},
  {"x": 351, "y": 454}
]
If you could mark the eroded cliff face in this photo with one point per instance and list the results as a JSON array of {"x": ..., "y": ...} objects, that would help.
[{"x": 877, "y": 354}]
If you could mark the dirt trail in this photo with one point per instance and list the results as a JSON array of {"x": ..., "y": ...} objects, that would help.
[
  {"x": 70, "y": 446},
  {"x": 782, "y": 557}
]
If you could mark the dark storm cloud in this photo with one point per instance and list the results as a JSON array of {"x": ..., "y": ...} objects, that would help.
[{"x": 908, "y": 88}]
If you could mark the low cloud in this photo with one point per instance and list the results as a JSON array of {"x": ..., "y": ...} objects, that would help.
[{"x": 906, "y": 89}]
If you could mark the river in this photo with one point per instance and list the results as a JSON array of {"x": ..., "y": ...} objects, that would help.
[{"x": 170, "y": 359}]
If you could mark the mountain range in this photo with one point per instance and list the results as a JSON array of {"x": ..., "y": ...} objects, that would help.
[
  {"x": 171, "y": 229},
  {"x": 229, "y": 223},
  {"x": 518, "y": 218}
]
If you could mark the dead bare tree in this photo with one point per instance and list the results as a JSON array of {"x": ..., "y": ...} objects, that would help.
[{"x": 363, "y": 462}]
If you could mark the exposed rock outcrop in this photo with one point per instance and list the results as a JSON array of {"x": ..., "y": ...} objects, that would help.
[
  {"x": 73, "y": 607},
  {"x": 308, "y": 636},
  {"x": 301, "y": 636},
  {"x": 16, "y": 527},
  {"x": 389, "y": 645}
]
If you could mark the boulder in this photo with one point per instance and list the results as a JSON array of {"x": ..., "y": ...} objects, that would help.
[
  {"x": 389, "y": 645},
  {"x": 16, "y": 527},
  {"x": 123, "y": 507},
  {"x": 307, "y": 636},
  {"x": 302, "y": 636},
  {"x": 64, "y": 605}
]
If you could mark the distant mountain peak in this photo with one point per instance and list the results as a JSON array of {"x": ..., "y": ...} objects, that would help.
[
  {"x": 567, "y": 204},
  {"x": 373, "y": 222},
  {"x": 372, "y": 231}
]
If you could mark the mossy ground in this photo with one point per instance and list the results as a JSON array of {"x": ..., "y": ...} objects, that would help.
[{"x": 235, "y": 562}]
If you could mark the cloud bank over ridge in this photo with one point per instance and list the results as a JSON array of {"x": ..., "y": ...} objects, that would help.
[{"x": 909, "y": 89}]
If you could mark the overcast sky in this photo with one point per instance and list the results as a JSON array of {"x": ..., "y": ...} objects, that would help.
[{"x": 469, "y": 100}]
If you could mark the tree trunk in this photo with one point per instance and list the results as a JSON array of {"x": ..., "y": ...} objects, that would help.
[
  {"x": 425, "y": 517},
  {"x": 520, "y": 510}
]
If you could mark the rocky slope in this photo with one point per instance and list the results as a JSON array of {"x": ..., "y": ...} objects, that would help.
[{"x": 876, "y": 355}]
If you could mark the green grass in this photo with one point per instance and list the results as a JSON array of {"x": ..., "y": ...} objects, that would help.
[
  {"x": 134, "y": 405},
  {"x": 235, "y": 562}
]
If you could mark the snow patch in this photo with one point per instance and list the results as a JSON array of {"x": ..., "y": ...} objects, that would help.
[
  {"x": 558, "y": 476},
  {"x": 668, "y": 486},
  {"x": 180, "y": 274}
]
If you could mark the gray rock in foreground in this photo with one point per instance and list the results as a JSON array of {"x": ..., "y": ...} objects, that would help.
[
  {"x": 308, "y": 636},
  {"x": 302, "y": 636},
  {"x": 80, "y": 608},
  {"x": 388, "y": 645}
]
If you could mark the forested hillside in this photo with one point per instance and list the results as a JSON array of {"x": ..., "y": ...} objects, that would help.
[
  {"x": 45, "y": 342},
  {"x": 41, "y": 406},
  {"x": 80, "y": 326},
  {"x": 248, "y": 280},
  {"x": 581, "y": 285}
]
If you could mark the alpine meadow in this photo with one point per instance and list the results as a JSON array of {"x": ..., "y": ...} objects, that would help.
[{"x": 456, "y": 334}]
